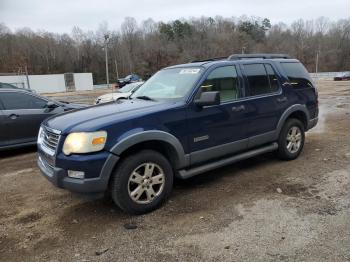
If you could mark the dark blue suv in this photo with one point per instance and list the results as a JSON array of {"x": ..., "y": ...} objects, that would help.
[{"x": 185, "y": 120}]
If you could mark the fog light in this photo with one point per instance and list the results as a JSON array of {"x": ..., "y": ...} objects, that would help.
[{"x": 76, "y": 174}]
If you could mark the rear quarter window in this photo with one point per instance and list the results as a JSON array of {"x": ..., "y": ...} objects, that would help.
[{"x": 297, "y": 75}]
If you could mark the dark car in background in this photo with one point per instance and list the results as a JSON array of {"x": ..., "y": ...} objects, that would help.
[
  {"x": 21, "y": 113},
  {"x": 128, "y": 79},
  {"x": 343, "y": 76}
]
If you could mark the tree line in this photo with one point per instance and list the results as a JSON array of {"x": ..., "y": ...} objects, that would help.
[{"x": 143, "y": 48}]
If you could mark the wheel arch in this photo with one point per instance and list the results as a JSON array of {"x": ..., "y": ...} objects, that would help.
[
  {"x": 299, "y": 112},
  {"x": 160, "y": 141}
]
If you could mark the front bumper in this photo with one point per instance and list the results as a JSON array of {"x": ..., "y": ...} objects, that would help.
[{"x": 59, "y": 176}]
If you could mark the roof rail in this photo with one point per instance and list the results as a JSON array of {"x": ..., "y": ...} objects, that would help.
[
  {"x": 261, "y": 56},
  {"x": 209, "y": 59}
]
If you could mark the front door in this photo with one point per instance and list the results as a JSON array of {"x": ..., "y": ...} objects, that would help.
[{"x": 218, "y": 130}]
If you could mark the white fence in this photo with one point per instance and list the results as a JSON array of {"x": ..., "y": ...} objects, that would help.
[{"x": 50, "y": 83}]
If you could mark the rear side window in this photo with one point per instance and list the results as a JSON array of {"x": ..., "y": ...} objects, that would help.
[
  {"x": 13, "y": 101},
  {"x": 261, "y": 81},
  {"x": 297, "y": 75}
]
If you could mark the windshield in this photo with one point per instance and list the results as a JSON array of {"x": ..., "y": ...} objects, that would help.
[
  {"x": 169, "y": 84},
  {"x": 128, "y": 88}
]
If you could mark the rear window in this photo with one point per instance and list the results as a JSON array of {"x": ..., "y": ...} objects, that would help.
[{"x": 297, "y": 75}]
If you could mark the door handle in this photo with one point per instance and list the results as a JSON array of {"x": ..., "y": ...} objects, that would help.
[
  {"x": 282, "y": 99},
  {"x": 238, "y": 108},
  {"x": 13, "y": 116}
]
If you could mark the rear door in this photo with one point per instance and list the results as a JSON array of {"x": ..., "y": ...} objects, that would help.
[
  {"x": 23, "y": 114},
  {"x": 265, "y": 101}
]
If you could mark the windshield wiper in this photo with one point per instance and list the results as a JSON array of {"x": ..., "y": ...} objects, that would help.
[{"x": 145, "y": 98}]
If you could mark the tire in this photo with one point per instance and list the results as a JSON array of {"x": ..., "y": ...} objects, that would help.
[
  {"x": 142, "y": 182},
  {"x": 291, "y": 139}
]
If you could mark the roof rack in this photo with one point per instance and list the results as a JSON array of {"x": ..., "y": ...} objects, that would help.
[
  {"x": 258, "y": 56},
  {"x": 209, "y": 59}
]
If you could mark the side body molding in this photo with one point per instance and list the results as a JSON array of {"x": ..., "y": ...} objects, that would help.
[
  {"x": 288, "y": 112},
  {"x": 177, "y": 152}
]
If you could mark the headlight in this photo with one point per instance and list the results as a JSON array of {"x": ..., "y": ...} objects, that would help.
[{"x": 84, "y": 142}]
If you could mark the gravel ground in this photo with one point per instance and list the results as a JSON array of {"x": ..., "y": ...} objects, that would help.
[{"x": 261, "y": 209}]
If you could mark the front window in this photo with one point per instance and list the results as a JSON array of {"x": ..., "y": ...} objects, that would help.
[
  {"x": 225, "y": 81},
  {"x": 169, "y": 84}
]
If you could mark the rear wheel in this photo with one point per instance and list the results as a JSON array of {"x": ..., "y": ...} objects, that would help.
[
  {"x": 291, "y": 139},
  {"x": 142, "y": 182}
]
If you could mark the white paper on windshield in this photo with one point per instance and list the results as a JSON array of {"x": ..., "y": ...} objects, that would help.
[{"x": 189, "y": 71}]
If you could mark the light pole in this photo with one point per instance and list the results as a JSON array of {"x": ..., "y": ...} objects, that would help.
[
  {"x": 106, "y": 52},
  {"x": 317, "y": 62}
]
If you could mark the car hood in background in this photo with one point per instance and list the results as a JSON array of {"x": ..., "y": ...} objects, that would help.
[
  {"x": 114, "y": 96},
  {"x": 70, "y": 106}
]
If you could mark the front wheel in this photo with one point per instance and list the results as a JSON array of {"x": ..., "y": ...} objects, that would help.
[
  {"x": 142, "y": 182},
  {"x": 291, "y": 139}
]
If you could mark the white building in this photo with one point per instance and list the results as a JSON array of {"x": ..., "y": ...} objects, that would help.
[{"x": 52, "y": 83}]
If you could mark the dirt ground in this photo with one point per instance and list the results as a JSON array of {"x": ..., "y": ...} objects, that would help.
[{"x": 262, "y": 209}]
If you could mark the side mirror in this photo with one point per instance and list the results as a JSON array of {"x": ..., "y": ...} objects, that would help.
[
  {"x": 51, "y": 105},
  {"x": 208, "y": 99}
]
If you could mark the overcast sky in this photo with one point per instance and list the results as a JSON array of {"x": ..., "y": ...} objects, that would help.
[{"x": 61, "y": 15}]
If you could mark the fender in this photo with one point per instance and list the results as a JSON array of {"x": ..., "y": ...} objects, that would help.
[
  {"x": 288, "y": 112},
  {"x": 182, "y": 160}
]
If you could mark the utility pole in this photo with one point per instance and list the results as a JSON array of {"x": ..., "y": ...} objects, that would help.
[
  {"x": 116, "y": 67},
  {"x": 106, "y": 52},
  {"x": 26, "y": 69},
  {"x": 317, "y": 59}
]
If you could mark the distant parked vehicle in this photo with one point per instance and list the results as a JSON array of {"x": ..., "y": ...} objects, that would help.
[
  {"x": 123, "y": 92},
  {"x": 21, "y": 113},
  {"x": 343, "y": 76},
  {"x": 6, "y": 85},
  {"x": 128, "y": 79}
]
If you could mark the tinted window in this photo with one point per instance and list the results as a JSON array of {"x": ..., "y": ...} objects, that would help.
[
  {"x": 14, "y": 100},
  {"x": 223, "y": 79},
  {"x": 272, "y": 78},
  {"x": 297, "y": 74},
  {"x": 257, "y": 79}
]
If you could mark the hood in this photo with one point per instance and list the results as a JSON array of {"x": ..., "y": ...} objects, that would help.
[
  {"x": 96, "y": 117},
  {"x": 113, "y": 96}
]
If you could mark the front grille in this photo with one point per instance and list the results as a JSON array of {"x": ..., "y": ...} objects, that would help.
[
  {"x": 46, "y": 166},
  {"x": 50, "y": 139}
]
